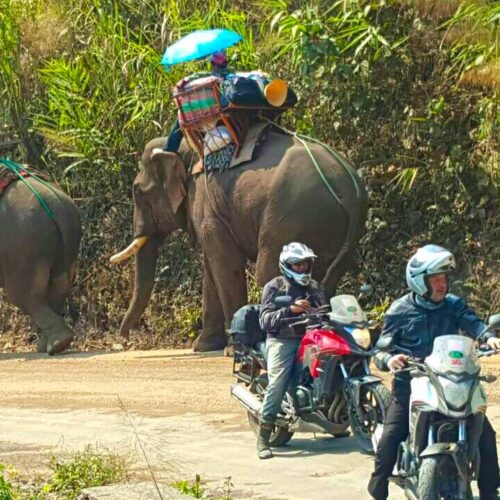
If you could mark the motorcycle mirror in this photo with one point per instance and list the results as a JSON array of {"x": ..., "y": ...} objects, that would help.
[
  {"x": 366, "y": 289},
  {"x": 283, "y": 301},
  {"x": 488, "y": 378},
  {"x": 494, "y": 322},
  {"x": 372, "y": 323}
]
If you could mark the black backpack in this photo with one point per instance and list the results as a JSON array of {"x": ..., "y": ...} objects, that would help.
[{"x": 245, "y": 328}]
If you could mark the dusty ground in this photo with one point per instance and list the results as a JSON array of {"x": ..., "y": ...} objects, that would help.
[{"x": 177, "y": 405}]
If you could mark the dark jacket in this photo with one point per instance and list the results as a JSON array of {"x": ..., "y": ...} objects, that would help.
[
  {"x": 415, "y": 327},
  {"x": 270, "y": 314}
]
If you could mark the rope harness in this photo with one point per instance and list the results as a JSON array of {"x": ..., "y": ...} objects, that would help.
[{"x": 21, "y": 173}]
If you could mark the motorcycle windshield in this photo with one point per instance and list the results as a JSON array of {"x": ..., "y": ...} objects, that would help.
[
  {"x": 453, "y": 355},
  {"x": 346, "y": 310}
]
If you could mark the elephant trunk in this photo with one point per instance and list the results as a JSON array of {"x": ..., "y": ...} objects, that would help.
[{"x": 145, "y": 266}]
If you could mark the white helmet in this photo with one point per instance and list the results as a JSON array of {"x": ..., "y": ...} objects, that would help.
[
  {"x": 428, "y": 260},
  {"x": 294, "y": 253}
]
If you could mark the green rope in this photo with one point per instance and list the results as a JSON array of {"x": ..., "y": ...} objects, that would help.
[
  {"x": 318, "y": 169},
  {"x": 17, "y": 169},
  {"x": 301, "y": 138},
  {"x": 346, "y": 165}
]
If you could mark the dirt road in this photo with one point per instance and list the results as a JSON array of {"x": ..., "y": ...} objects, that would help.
[{"x": 177, "y": 404}]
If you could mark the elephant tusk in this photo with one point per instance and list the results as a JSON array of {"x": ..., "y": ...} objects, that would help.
[{"x": 132, "y": 249}]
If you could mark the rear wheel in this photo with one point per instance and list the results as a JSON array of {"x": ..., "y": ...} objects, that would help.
[
  {"x": 372, "y": 409},
  {"x": 438, "y": 479},
  {"x": 280, "y": 435}
]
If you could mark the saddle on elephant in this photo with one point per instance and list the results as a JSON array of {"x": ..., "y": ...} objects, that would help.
[
  {"x": 11, "y": 172},
  {"x": 216, "y": 113}
]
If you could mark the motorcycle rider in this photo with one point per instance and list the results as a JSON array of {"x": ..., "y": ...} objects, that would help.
[
  {"x": 295, "y": 263},
  {"x": 414, "y": 321}
]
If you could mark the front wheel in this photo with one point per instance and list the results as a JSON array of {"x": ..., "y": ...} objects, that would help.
[
  {"x": 438, "y": 479},
  {"x": 374, "y": 400}
]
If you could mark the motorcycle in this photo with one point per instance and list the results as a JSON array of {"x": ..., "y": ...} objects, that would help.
[
  {"x": 440, "y": 457},
  {"x": 336, "y": 389}
]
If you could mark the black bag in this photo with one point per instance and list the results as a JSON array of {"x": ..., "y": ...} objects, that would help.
[
  {"x": 245, "y": 91},
  {"x": 245, "y": 328}
]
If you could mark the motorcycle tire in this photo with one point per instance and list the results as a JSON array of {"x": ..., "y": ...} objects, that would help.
[
  {"x": 435, "y": 474},
  {"x": 279, "y": 437},
  {"x": 375, "y": 399}
]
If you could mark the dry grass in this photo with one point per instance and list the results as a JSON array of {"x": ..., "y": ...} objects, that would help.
[
  {"x": 46, "y": 33},
  {"x": 436, "y": 9},
  {"x": 487, "y": 76}
]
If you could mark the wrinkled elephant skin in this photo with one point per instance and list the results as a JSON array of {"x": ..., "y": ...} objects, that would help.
[
  {"x": 37, "y": 257},
  {"x": 246, "y": 214}
]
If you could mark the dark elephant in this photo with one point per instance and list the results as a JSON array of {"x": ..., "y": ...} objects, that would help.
[
  {"x": 38, "y": 250},
  {"x": 245, "y": 214}
]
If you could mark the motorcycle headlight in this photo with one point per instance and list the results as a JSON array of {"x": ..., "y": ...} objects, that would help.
[
  {"x": 455, "y": 393},
  {"x": 362, "y": 337}
]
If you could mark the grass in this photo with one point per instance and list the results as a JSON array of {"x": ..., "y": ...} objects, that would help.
[{"x": 94, "y": 466}]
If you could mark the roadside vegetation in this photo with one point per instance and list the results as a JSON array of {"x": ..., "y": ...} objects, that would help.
[
  {"x": 93, "y": 466},
  {"x": 407, "y": 89}
]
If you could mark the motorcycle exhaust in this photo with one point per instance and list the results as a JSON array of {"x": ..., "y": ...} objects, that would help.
[{"x": 246, "y": 398}]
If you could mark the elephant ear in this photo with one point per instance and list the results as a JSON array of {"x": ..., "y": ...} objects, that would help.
[{"x": 173, "y": 176}]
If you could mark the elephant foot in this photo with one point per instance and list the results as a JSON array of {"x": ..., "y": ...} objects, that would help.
[
  {"x": 211, "y": 344},
  {"x": 41, "y": 343},
  {"x": 59, "y": 344}
]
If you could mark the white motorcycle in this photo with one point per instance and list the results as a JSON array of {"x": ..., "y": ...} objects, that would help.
[{"x": 440, "y": 457}]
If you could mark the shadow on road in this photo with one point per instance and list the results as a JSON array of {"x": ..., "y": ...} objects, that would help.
[{"x": 300, "y": 448}]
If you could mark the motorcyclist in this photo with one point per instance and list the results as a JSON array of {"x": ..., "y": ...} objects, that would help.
[
  {"x": 414, "y": 321},
  {"x": 282, "y": 343}
]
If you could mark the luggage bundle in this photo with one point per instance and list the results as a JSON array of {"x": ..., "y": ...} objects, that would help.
[{"x": 216, "y": 111}]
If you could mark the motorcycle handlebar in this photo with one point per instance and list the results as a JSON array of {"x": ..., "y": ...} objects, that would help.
[{"x": 488, "y": 352}]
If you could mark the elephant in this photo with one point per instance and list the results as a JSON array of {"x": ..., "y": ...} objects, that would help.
[
  {"x": 38, "y": 250},
  {"x": 243, "y": 214}
]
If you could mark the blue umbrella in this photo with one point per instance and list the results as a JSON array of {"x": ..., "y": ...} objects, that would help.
[{"x": 197, "y": 44}]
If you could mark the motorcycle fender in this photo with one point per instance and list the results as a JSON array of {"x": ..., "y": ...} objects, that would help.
[
  {"x": 358, "y": 382},
  {"x": 452, "y": 449}
]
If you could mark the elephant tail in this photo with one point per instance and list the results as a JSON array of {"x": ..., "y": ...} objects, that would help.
[{"x": 356, "y": 216}]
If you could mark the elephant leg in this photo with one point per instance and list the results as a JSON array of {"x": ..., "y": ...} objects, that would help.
[
  {"x": 224, "y": 287},
  {"x": 212, "y": 337},
  {"x": 266, "y": 267},
  {"x": 32, "y": 296},
  {"x": 58, "y": 292}
]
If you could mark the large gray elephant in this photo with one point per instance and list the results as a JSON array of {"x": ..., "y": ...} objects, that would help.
[
  {"x": 38, "y": 250},
  {"x": 245, "y": 214}
]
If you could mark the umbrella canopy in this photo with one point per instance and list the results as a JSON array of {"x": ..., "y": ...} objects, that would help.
[{"x": 197, "y": 44}]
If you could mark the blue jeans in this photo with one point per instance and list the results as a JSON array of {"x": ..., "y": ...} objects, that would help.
[
  {"x": 282, "y": 372},
  {"x": 174, "y": 138}
]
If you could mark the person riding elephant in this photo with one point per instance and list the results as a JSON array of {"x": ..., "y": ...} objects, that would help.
[
  {"x": 41, "y": 232},
  {"x": 218, "y": 66},
  {"x": 293, "y": 191}
]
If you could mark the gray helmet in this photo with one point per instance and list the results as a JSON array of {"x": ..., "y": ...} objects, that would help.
[
  {"x": 293, "y": 253},
  {"x": 428, "y": 260}
]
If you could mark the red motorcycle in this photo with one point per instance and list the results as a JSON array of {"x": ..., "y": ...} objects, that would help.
[{"x": 336, "y": 389}]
